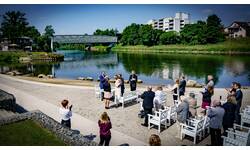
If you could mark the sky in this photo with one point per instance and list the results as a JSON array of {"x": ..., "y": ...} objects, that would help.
[{"x": 86, "y": 18}]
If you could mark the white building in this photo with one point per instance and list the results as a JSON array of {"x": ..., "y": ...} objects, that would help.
[
  {"x": 171, "y": 23},
  {"x": 238, "y": 29}
]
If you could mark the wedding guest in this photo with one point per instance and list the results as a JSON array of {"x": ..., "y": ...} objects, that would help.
[
  {"x": 148, "y": 99},
  {"x": 229, "y": 116},
  {"x": 192, "y": 105},
  {"x": 216, "y": 114},
  {"x": 238, "y": 96},
  {"x": 206, "y": 97},
  {"x": 104, "y": 126},
  {"x": 175, "y": 91},
  {"x": 66, "y": 113},
  {"x": 154, "y": 140},
  {"x": 210, "y": 82},
  {"x": 101, "y": 84},
  {"x": 107, "y": 92},
  {"x": 232, "y": 90},
  {"x": 158, "y": 99},
  {"x": 182, "y": 113}
]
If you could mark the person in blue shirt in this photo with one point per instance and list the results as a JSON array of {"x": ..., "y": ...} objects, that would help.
[
  {"x": 101, "y": 85},
  {"x": 238, "y": 96}
]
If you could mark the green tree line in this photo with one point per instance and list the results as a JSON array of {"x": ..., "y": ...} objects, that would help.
[
  {"x": 201, "y": 32},
  {"x": 14, "y": 25}
]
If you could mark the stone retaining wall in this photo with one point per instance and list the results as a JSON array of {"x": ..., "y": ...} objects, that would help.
[
  {"x": 7, "y": 101},
  {"x": 70, "y": 137}
]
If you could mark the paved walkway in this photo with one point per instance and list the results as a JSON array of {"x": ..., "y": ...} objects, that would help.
[{"x": 30, "y": 102}]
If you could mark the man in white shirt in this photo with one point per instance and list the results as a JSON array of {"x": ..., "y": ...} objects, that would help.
[{"x": 66, "y": 113}]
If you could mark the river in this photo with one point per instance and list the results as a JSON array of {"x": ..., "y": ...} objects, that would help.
[{"x": 153, "y": 69}]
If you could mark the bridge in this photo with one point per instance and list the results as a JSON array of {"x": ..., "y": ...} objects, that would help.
[{"x": 83, "y": 39}]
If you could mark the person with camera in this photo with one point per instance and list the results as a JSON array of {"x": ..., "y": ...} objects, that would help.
[{"x": 66, "y": 113}]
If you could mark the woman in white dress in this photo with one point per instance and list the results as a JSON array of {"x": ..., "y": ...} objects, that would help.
[{"x": 118, "y": 83}]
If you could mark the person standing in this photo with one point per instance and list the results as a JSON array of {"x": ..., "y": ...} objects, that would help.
[
  {"x": 66, "y": 113},
  {"x": 229, "y": 116},
  {"x": 132, "y": 81},
  {"x": 232, "y": 90},
  {"x": 101, "y": 84},
  {"x": 118, "y": 83},
  {"x": 122, "y": 84},
  {"x": 182, "y": 86},
  {"x": 210, "y": 82},
  {"x": 105, "y": 125},
  {"x": 216, "y": 114},
  {"x": 147, "y": 104},
  {"x": 175, "y": 91},
  {"x": 107, "y": 92},
  {"x": 206, "y": 98},
  {"x": 238, "y": 96}
]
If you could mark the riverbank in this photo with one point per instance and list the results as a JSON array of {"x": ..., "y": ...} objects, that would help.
[
  {"x": 230, "y": 46},
  {"x": 90, "y": 83},
  {"x": 17, "y": 56}
]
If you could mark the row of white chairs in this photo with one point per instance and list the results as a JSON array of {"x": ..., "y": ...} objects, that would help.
[
  {"x": 237, "y": 136},
  {"x": 245, "y": 116}
]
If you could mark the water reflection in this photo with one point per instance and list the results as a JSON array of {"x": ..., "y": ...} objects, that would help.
[{"x": 151, "y": 68}]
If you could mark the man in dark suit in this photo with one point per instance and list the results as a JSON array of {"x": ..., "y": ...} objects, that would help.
[
  {"x": 238, "y": 97},
  {"x": 182, "y": 86},
  {"x": 148, "y": 98},
  {"x": 122, "y": 85},
  {"x": 132, "y": 81}
]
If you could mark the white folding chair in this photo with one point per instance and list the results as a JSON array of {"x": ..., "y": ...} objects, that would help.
[{"x": 158, "y": 119}]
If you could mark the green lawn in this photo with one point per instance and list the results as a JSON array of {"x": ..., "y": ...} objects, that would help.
[
  {"x": 13, "y": 56},
  {"x": 228, "y": 46},
  {"x": 27, "y": 133}
]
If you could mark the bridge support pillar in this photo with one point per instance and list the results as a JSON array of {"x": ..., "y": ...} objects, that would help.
[{"x": 51, "y": 44}]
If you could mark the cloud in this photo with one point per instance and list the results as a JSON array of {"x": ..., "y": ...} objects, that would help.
[{"x": 207, "y": 11}]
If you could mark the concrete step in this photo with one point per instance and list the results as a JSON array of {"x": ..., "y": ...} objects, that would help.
[{"x": 4, "y": 113}]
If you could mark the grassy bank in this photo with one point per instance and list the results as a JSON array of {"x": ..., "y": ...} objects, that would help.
[
  {"x": 15, "y": 56},
  {"x": 234, "y": 46},
  {"x": 27, "y": 133}
]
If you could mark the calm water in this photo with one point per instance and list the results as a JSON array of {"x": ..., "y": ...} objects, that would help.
[{"x": 151, "y": 68}]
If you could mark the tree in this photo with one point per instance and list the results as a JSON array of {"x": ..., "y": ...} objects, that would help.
[
  {"x": 146, "y": 35},
  {"x": 49, "y": 31},
  {"x": 130, "y": 35},
  {"x": 14, "y": 24},
  {"x": 156, "y": 36},
  {"x": 33, "y": 33},
  {"x": 170, "y": 37},
  {"x": 214, "y": 29},
  {"x": 110, "y": 32},
  {"x": 194, "y": 33},
  {"x": 139, "y": 34}
]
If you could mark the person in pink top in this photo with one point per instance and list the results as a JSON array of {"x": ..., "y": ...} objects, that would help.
[{"x": 105, "y": 126}]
